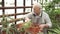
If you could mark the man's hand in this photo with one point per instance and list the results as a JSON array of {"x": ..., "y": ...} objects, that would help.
[
  {"x": 42, "y": 26},
  {"x": 27, "y": 19}
]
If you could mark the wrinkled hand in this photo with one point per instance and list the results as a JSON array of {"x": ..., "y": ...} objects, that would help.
[
  {"x": 27, "y": 19},
  {"x": 42, "y": 26}
]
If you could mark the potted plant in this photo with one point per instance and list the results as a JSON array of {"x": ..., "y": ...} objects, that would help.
[{"x": 6, "y": 29}]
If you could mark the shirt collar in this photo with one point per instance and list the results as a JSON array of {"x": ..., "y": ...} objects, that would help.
[{"x": 35, "y": 14}]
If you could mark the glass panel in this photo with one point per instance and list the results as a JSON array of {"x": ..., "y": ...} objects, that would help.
[
  {"x": 19, "y": 10},
  {"x": 19, "y": 2},
  {"x": 57, "y": 6},
  {"x": 10, "y": 17},
  {"x": 28, "y": 2},
  {"x": 34, "y": 1},
  {"x": 0, "y": 3},
  {"x": 19, "y": 22},
  {"x": 40, "y": 1},
  {"x": 48, "y": 0},
  {"x": 20, "y": 16},
  {"x": 0, "y": 19},
  {"x": 9, "y": 11},
  {"x": 43, "y": 1},
  {"x": 28, "y": 10},
  {"x": 9, "y": 3},
  {"x": 0, "y": 12}
]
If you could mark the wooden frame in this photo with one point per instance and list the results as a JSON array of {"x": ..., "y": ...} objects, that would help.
[{"x": 15, "y": 7}]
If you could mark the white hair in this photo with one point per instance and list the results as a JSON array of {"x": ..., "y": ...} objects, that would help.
[{"x": 37, "y": 4}]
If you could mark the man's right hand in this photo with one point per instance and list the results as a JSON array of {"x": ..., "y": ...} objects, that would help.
[{"x": 27, "y": 19}]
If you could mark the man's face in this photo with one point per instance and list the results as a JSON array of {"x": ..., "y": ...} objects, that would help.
[{"x": 37, "y": 10}]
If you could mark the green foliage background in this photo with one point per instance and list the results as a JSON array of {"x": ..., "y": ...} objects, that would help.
[{"x": 54, "y": 14}]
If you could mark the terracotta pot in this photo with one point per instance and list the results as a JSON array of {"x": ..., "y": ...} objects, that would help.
[
  {"x": 3, "y": 32},
  {"x": 20, "y": 26},
  {"x": 34, "y": 29}
]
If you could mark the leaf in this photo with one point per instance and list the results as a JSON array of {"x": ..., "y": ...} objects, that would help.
[{"x": 46, "y": 0}]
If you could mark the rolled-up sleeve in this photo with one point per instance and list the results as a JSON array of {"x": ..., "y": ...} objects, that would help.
[{"x": 47, "y": 20}]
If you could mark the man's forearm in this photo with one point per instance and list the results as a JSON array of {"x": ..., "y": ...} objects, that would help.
[{"x": 46, "y": 26}]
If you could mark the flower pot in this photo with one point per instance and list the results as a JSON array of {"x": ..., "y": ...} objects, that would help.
[
  {"x": 3, "y": 32},
  {"x": 33, "y": 29}
]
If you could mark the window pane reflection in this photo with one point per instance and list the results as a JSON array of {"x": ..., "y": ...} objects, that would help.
[
  {"x": 19, "y": 2},
  {"x": 9, "y": 11},
  {"x": 9, "y": 3},
  {"x": 28, "y": 2}
]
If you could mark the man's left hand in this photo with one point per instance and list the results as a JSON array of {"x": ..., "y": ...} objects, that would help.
[{"x": 42, "y": 26}]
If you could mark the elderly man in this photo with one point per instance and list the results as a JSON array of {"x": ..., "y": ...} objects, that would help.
[{"x": 39, "y": 17}]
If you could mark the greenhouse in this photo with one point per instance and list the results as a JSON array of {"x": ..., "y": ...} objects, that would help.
[{"x": 29, "y": 16}]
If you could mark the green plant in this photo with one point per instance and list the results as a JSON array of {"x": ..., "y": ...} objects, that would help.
[
  {"x": 50, "y": 9},
  {"x": 5, "y": 25},
  {"x": 8, "y": 29},
  {"x": 53, "y": 14},
  {"x": 25, "y": 26}
]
